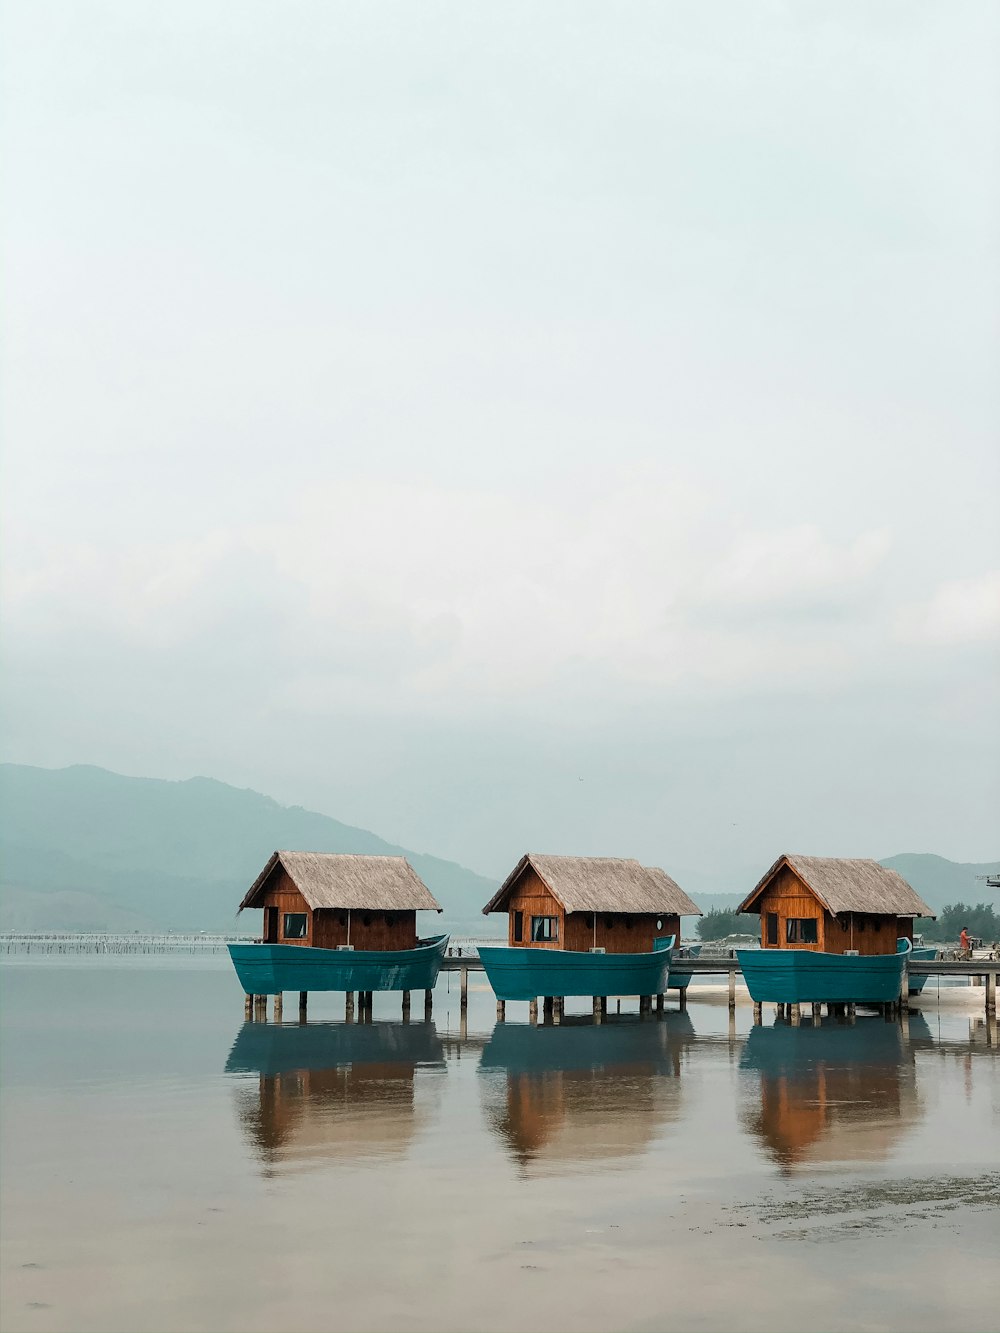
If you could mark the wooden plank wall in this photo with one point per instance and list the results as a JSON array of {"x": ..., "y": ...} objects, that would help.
[
  {"x": 617, "y": 932},
  {"x": 326, "y": 928},
  {"x": 790, "y": 897},
  {"x": 530, "y": 896}
]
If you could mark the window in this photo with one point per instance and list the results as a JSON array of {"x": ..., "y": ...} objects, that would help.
[
  {"x": 659, "y": 923},
  {"x": 518, "y": 927},
  {"x": 801, "y": 930},
  {"x": 772, "y": 927},
  {"x": 295, "y": 925},
  {"x": 544, "y": 928}
]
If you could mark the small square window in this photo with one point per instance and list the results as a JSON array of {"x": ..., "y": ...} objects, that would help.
[
  {"x": 544, "y": 929},
  {"x": 295, "y": 925},
  {"x": 801, "y": 930}
]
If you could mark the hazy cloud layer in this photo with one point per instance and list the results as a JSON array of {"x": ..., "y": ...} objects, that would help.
[{"x": 570, "y": 427}]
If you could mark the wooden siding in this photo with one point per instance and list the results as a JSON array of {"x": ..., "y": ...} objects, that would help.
[
  {"x": 619, "y": 932},
  {"x": 789, "y": 897},
  {"x": 326, "y": 928},
  {"x": 530, "y": 896}
]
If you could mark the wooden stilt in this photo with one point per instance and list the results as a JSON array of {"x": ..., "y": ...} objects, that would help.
[
  {"x": 533, "y": 1010},
  {"x": 279, "y": 1004},
  {"x": 604, "y": 1006},
  {"x": 248, "y": 1008},
  {"x": 852, "y": 1013},
  {"x": 598, "y": 1009},
  {"x": 303, "y": 1005},
  {"x": 428, "y": 1005},
  {"x": 464, "y": 996},
  {"x": 659, "y": 1005},
  {"x": 501, "y": 1011},
  {"x": 796, "y": 1015},
  {"x": 682, "y": 998},
  {"x": 406, "y": 1006},
  {"x": 991, "y": 995},
  {"x": 817, "y": 1012},
  {"x": 260, "y": 1008},
  {"x": 758, "y": 1013},
  {"x": 349, "y": 1005},
  {"x": 558, "y": 1005},
  {"x": 618, "y": 1007},
  {"x": 732, "y": 988},
  {"x": 547, "y": 1006},
  {"x": 779, "y": 1011}
]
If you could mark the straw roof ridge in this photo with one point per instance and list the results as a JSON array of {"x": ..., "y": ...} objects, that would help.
[
  {"x": 600, "y": 884},
  {"x": 343, "y": 880},
  {"x": 848, "y": 884}
]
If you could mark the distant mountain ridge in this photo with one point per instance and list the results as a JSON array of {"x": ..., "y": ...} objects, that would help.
[{"x": 82, "y": 848}]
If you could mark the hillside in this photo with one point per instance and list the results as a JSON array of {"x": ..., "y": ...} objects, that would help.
[{"x": 85, "y": 849}]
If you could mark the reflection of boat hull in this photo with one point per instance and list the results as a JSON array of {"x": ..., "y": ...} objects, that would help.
[
  {"x": 269, "y": 1049},
  {"x": 923, "y": 955},
  {"x": 797, "y": 976},
  {"x": 266, "y": 969},
  {"x": 573, "y": 1048},
  {"x": 524, "y": 974}
]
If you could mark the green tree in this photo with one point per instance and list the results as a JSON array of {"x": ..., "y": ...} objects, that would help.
[
  {"x": 717, "y": 923},
  {"x": 982, "y": 921}
]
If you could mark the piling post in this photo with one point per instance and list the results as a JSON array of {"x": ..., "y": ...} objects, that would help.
[
  {"x": 659, "y": 1005},
  {"x": 779, "y": 1011},
  {"x": 349, "y": 1006},
  {"x": 547, "y": 1006},
  {"x": 817, "y": 1011},
  {"x": 260, "y": 1008},
  {"x": 464, "y": 997},
  {"x": 758, "y": 1013},
  {"x": 303, "y": 1005},
  {"x": 852, "y": 1013},
  {"x": 604, "y": 1006},
  {"x": 732, "y": 988},
  {"x": 406, "y": 1006},
  {"x": 796, "y": 1015},
  {"x": 682, "y": 998},
  {"x": 248, "y": 1009},
  {"x": 501, "y": 1011},
  {"x": 991, "y": 995},
  {"x": 428, "y": 1005},
  {"x": 533, "y": 1010},
  {"x": 904, "y": 990},
  {"x": 557, "y": 1009},
  {"x": 598, "y": 1009},
  {"x": 279, "y": 1004}
]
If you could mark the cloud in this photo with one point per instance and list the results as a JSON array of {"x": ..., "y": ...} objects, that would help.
[{"x": 960, "y": 611}]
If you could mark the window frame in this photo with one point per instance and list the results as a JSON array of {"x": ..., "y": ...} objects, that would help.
[
  {"x": 549, "y": 924},
  {"x": 288, "y": 916},
  {"x": 795, "y": 932}
]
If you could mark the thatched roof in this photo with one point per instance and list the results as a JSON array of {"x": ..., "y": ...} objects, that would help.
[
  {"x": 327, "y": 879},
  {"x": 844, "y": 884},
  {"x": 599, "y": 884}
]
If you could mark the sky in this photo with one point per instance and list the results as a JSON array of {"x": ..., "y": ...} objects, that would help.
[{"x": 566, "y": 427}]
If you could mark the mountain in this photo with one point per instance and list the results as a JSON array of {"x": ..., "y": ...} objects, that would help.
[
  {"x": 940, "y": 882},
  {"x": 85, "y": 849}
]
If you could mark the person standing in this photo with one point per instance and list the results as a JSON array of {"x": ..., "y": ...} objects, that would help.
[{"x": 964, "y": 943}]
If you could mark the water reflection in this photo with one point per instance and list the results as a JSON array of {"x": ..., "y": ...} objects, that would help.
[
  {"x": 330, "y": 1090},
  {"x": 559, "y": 1096},
  {"x": 831, "y": 1093}
]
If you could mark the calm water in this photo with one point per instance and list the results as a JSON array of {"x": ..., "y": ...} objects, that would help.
[{"x": 167, "y": 1167}]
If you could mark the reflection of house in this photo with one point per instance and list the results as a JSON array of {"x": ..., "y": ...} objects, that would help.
[
  {"x": 585, "y": 902},
  {"x": 830, "y": 1093},
  {"x": 327, "y": 900},
  {"x": 330, "y": 1090},
  {"x": 833, "y": 904},
  {"x": 578, "y": 1094}
]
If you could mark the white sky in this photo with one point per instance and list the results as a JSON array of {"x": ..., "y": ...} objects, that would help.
[{"x": 569, "y": 427}]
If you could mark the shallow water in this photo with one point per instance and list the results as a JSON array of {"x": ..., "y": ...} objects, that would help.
[{"x": 168, "y": 1167}]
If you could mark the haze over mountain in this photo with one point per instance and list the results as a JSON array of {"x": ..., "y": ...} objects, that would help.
[{"x": 86, "y": 849}]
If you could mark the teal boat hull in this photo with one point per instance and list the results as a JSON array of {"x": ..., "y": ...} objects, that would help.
[
  {"x": 799, "y": 976},
  {"x": 923, "y": 955},
  {"x": 524, "y": 974},
  {"x": 268, "y": 969}
]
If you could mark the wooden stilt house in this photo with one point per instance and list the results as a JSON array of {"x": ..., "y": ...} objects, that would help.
[
  {"x": 834, "y": 905},
  {"x": 583, "y": 903},
  {"x": 328, "y": 900}
]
